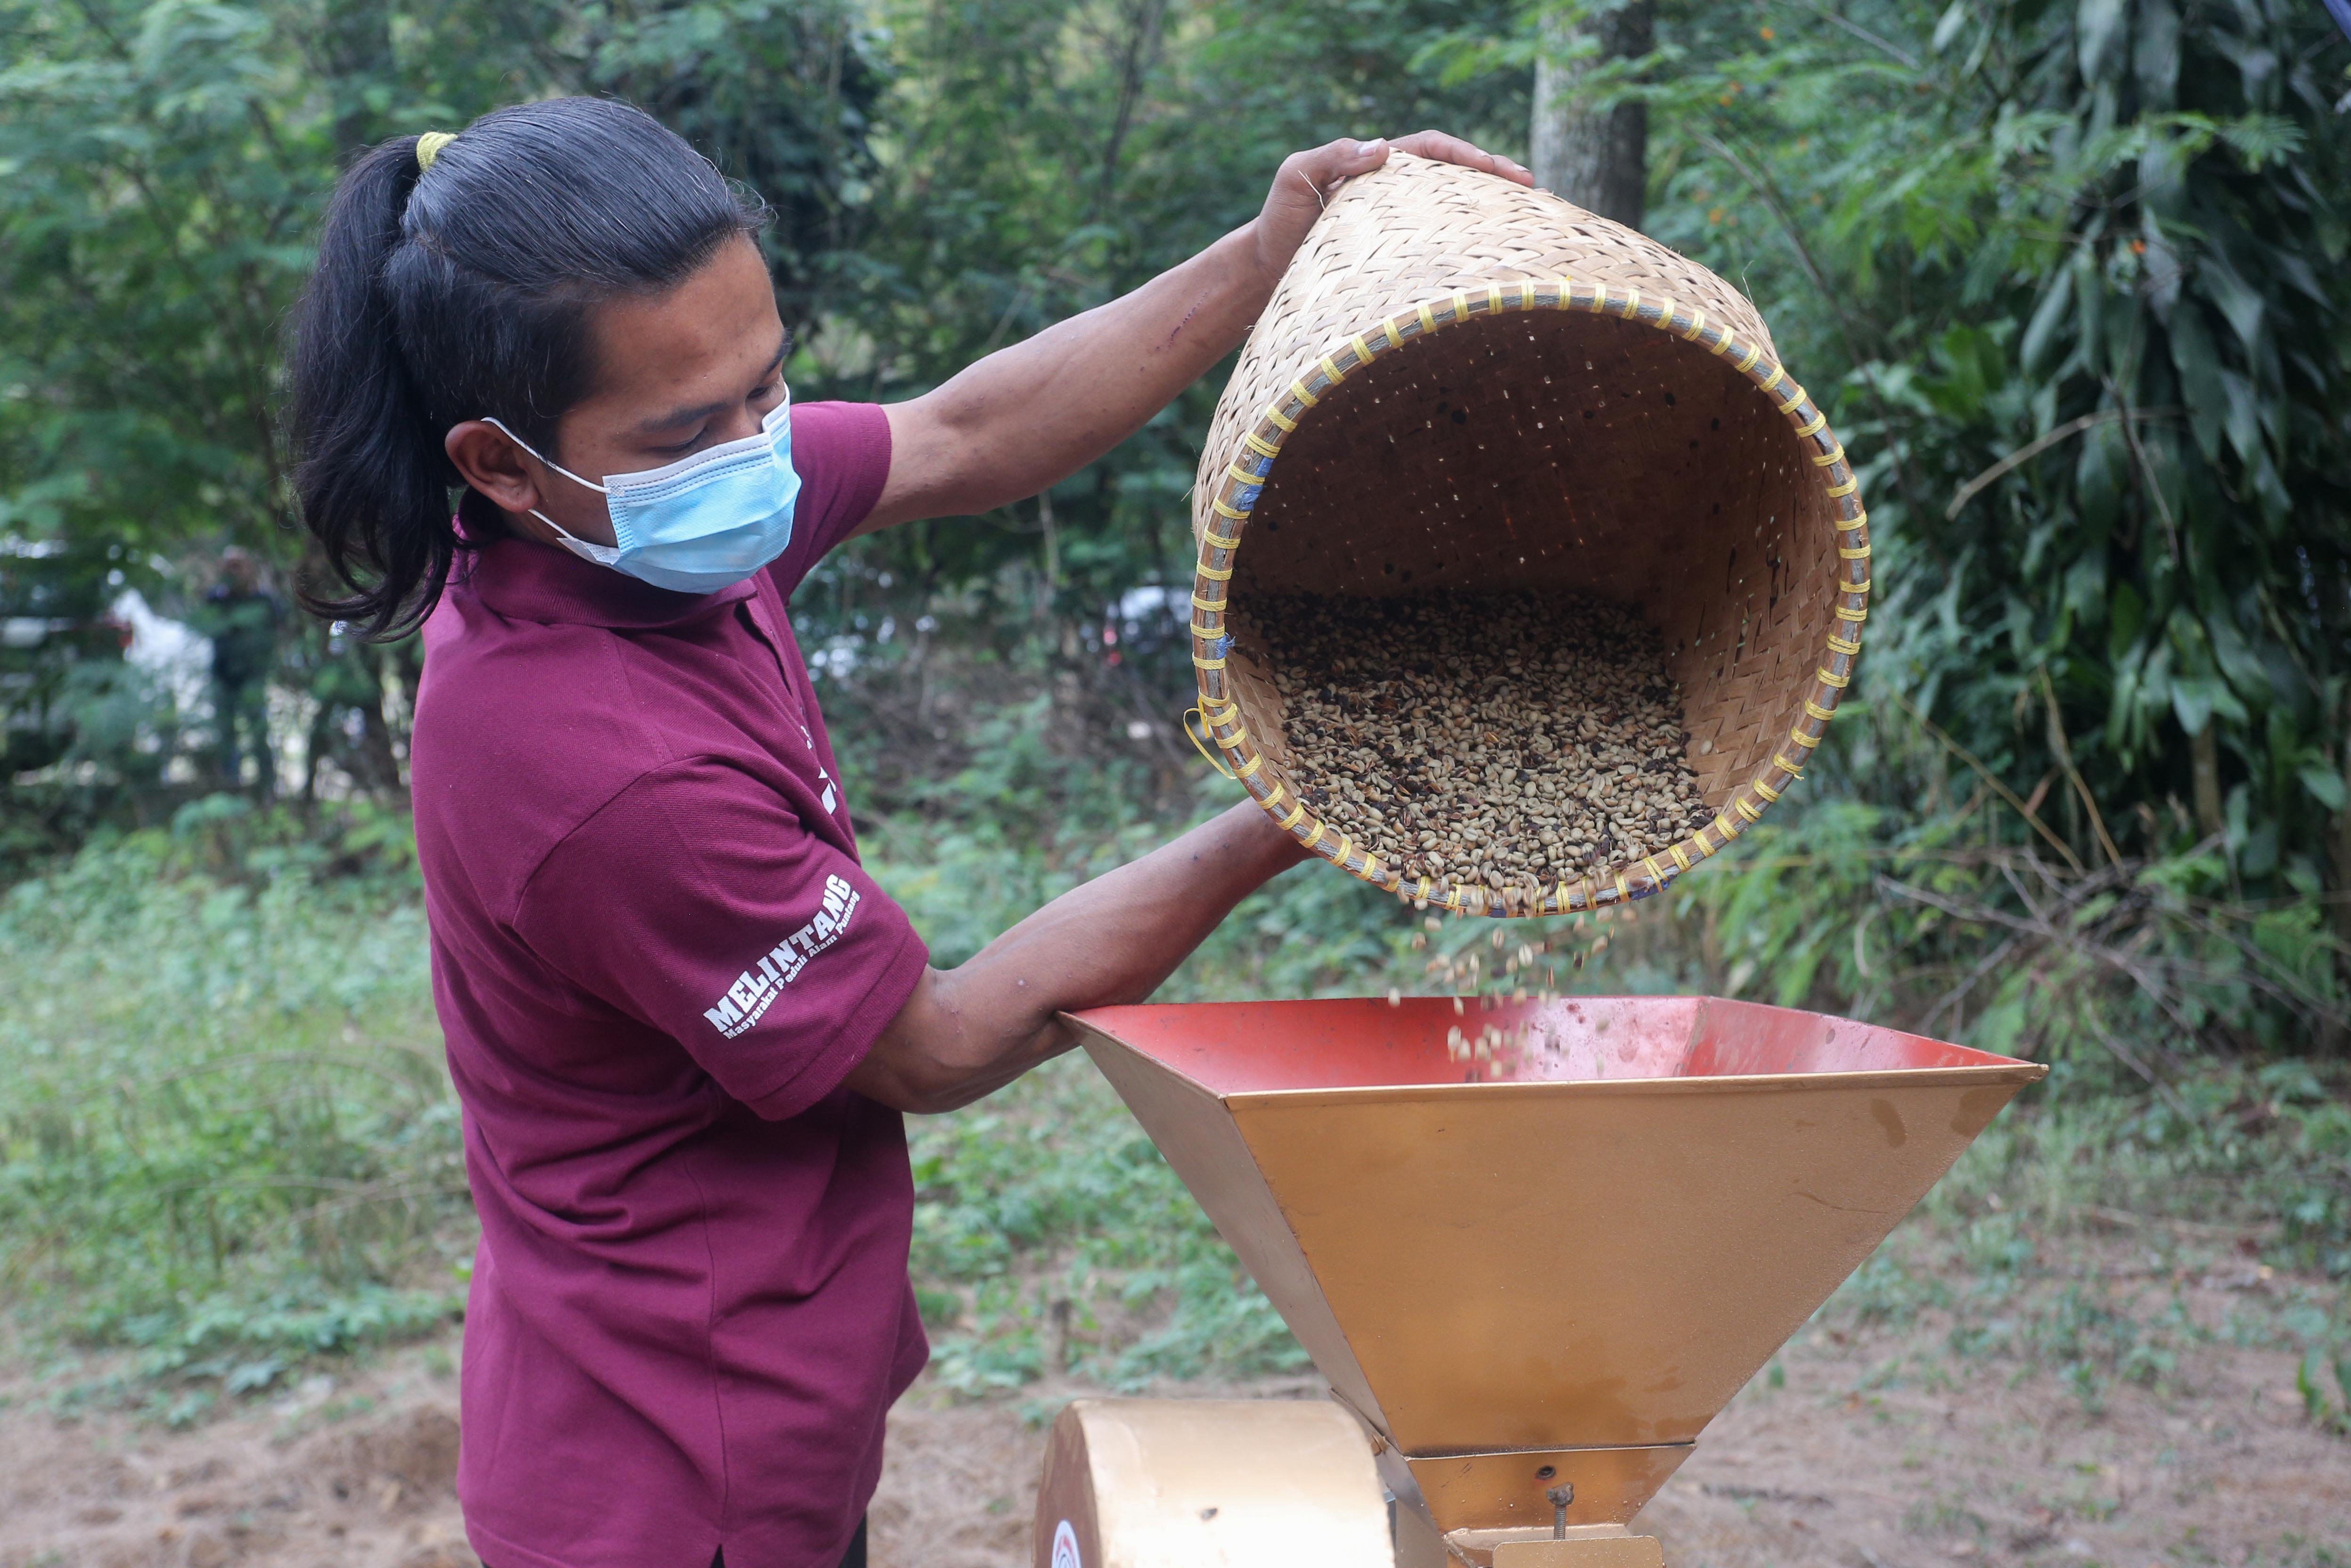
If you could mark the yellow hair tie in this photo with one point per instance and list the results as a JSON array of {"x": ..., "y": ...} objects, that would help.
[{"x": 428, "y": 145}]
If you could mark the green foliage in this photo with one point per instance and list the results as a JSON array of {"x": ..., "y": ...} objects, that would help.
[
  {"x": 1308, "y": 933},
  {"x": 1055, "y": 1238},
  {"x": 224, "y": 1141},
  {"x": 2324, "y": 1381},
  {"x": 1854, "y": 908},
  {"x": 2075, "y": 276},
  {"x": 156, "y": 209}
]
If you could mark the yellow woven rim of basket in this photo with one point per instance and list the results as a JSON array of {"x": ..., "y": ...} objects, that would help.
[{"x": 1225, "y": 500}]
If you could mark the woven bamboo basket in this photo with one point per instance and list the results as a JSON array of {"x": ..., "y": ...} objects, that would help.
[{"x": 1460, "y": 383}]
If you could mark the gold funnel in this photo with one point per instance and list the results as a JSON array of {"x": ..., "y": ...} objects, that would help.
[{"x": 1539, "y": 1245}]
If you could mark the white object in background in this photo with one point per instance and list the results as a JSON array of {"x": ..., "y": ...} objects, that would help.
[{"x": 173, "y": 655}]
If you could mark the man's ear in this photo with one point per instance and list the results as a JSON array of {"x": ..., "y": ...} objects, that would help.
[{"x": 494, "y": 466}]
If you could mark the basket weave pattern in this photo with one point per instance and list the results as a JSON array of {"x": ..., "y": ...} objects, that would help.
[{"x": 1462, "y": 384}]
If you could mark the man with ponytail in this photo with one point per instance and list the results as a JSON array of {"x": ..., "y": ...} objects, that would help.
[{"x": 682, "y": 1023}]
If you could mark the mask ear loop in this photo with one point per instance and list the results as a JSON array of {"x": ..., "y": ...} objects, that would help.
[
  {"x": 499, "y": 425},
  {"x": 602, "y": 555}
]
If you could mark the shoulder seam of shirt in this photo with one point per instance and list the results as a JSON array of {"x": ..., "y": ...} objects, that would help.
[
  {"x": 657, "y": 742},
  {"x": 523, "y": 885}
]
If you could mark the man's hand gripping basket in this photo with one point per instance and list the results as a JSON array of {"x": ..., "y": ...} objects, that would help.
[{"x": 1464, "y": 384}]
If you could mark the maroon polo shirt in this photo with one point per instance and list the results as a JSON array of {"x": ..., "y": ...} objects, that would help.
[{"x": 655, "y": 956}]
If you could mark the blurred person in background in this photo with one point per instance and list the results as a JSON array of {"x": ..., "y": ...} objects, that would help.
[
  {"x": 682, "y": 1023},
  {"x": 242, "y": 618}
]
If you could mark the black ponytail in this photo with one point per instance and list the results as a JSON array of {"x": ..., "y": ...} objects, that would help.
[{"x": 464, "y": 292}]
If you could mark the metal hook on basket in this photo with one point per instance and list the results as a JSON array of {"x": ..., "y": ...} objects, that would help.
[{"x": 1200, "y": 740}]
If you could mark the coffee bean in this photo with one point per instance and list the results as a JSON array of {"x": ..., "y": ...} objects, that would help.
[{"x": 1510, "y": 740}]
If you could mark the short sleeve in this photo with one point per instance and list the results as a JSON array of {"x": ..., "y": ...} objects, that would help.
[
  {"x": 697, "y": 903},
  {"x": 841, "y": 453}
]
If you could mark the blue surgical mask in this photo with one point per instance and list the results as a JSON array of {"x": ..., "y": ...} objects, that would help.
[{"x": 702, "y": 523}]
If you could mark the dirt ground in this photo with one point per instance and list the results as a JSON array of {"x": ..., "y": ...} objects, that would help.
[{"x": 1875, "y": 1448}]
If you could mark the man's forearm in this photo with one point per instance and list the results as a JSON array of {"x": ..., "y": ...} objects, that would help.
[{"x": 973, "y": 1029}]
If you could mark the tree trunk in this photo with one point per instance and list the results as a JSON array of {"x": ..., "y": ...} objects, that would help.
[
  {"x": 2204, "y": 764},
  {"x": 1597, "y": 157}
]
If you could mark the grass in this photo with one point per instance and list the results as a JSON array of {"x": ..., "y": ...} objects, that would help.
[
  {"x": 226, "y": 1141},
  {"x": 228, "y": 1150}
]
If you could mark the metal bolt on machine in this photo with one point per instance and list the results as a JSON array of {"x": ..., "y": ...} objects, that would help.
[{"x": 1530, "y": 1279}]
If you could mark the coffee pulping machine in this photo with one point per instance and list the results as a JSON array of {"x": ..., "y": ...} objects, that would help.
[{"x": 1530, "y": 1284}]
